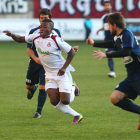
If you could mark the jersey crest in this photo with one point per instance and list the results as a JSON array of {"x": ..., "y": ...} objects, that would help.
[{"x": 49, "y": 44}]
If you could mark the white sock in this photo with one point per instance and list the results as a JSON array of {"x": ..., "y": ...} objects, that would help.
[{"x": 66, "y": 109}]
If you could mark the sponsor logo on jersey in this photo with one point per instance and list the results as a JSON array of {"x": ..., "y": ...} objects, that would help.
[
  {"x": 39, "y": 42},
  {"x": 127, "y": 59},
  {"x": 42, "y": 52}
]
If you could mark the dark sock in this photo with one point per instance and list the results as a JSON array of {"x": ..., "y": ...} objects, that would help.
[
  {"x": 33, "y": 88},
  {"x": 128, "y": 105},
  {"x": 41, "y": 100},
  {"x": 111, "y": 64}
]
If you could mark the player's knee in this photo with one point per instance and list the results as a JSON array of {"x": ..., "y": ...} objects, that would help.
[
  {"x": 41, "y": 86},
  {"x": 113, "y": 100},
  {"x": 65, "y": 101},
  {"x": 54, "y": 102},
  {"x": 27, "y": 87}
]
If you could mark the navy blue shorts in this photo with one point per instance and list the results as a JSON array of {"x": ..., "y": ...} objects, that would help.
[
  {"x": 35, "y": 75},
  {"x": 131, "y": 88}
]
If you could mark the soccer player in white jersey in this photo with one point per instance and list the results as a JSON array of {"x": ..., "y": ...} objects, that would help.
[
  {"x": 36, "y": 73},
  {"x": 58, "y": 78}
]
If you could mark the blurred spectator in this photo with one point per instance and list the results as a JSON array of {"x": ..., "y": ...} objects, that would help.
[
  {"x": 108, "y": 36},
  {"x": 88, "y": 26}
]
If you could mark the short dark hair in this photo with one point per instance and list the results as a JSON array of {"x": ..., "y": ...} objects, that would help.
[
  {"x": 107, "y": 2},
  {"x": 45, "y": 11},
  {"x": 51, "y": 23},
  {"x": 118, "y": 19}
]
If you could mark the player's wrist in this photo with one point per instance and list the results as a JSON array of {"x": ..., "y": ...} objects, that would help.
[{"x": 11, "y": 34}]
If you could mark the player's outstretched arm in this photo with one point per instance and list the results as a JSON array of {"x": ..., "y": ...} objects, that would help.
[
  {"x": 100, "y": 30},
  {"x": 90, "y": 41},
  {"x": 66, "y": 64},
  {"x": 15, "y": 37}
]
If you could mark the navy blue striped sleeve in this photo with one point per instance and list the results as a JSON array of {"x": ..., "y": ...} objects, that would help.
[
  {"x": 57, "y": 31},
  {"x": 31, "y": 32}
]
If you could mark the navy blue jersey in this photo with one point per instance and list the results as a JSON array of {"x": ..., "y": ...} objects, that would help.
[
  {"x": 132, "y": 62},
  {"x": 31, "y": 46},
  {"x": 107, "y": 33}
]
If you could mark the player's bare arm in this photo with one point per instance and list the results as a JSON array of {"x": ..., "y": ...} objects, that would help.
[
  {"x": 33, "y": 56},
  {"x": 100, "y": 30},
  {"x": 66, "y": 64},
  {"x": 15, "y": 37}
]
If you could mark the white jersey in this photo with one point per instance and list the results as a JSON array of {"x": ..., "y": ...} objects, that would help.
[{"x": 49, "y": 51}]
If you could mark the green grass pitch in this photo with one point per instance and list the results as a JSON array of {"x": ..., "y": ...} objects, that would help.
[{"x": 102, "y": 120}]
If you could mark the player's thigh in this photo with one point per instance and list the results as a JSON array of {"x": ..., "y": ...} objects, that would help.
[
  {"x": 117, "y": 95},
  {"x": 65, "y": 97},
  {"x": 53, "y": 95},
  {"x": 32, "y": 76},
  {"x": 125, "y": 89}
]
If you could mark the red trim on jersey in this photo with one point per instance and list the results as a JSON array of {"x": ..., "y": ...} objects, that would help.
[
  {"x": 47, "y": 36},
  {"x": 24, "y": 39},
  {"x": 70, "y": 51},
  {"x": 36, "y": 38},
  {"x": 54, "y": 38}
]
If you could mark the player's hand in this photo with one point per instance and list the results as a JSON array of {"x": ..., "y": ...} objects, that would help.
[
  {"x": 61, "y": 71},
  {"x": 90, "y": 41},
  {"x": 76, "y": 48},
  {"x": 37, "y": 60},
  {"x": 99, "y": 54},
  {"x": 8, "y": 33}
]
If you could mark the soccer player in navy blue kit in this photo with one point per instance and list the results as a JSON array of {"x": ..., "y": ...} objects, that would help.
[
  {"x": 128, "y": 48},
  {"x": 108, "y": 36}
]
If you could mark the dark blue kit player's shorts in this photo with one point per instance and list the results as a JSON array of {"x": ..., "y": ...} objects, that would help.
[
  {"x": 35, "y": 75},
  {"x": 131, "y": 88}
]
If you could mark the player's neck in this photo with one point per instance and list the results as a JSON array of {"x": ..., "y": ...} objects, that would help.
[{"x": 119, "y": 31}]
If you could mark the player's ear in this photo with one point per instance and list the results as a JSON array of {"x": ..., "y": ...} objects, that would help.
[{"x": 114, "y": 25}]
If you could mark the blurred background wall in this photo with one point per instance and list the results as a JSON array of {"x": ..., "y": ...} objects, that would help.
[{"x": 19, "y": 16}]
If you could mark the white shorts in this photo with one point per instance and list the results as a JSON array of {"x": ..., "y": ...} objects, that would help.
[{"x": 64, "y": 82}]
